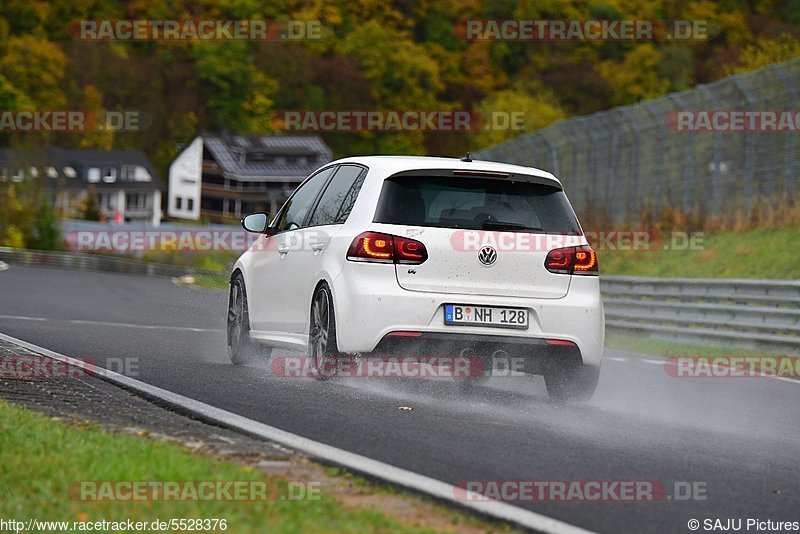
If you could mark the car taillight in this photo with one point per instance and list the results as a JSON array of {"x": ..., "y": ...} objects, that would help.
[
  {"x": 377, "y": 247},
  {"x": 572, "y": 260}
]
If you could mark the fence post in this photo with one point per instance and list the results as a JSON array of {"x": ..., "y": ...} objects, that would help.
[
  {"x": 662, "y": 147},
  {"x": 749, "y": 152},
  {"x": 553, "y": 153},
  {"x": 688, "y": 157},
  {"x": 715, "y": 177},
  {"x": 634, "y": 183},
  {"x": 788, "y": 173}
]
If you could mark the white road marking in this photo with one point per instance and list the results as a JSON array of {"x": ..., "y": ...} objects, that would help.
[
  {"x": 3, "y": 266},
  {"x": 315, "y": 449},
  {"x": 106, "y": 323}
]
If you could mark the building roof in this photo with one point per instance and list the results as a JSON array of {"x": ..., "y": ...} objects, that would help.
[
  {"x": 265, "y": 157},
  {"x": 70, "y": 167}
]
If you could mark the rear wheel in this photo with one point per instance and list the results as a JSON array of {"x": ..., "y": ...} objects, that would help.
[
  {"x": 241, "y": 348},
  {"x": 322, "y": 349}
]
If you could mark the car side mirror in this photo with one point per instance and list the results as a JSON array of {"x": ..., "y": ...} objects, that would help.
[{"x": 257, "y": 223}]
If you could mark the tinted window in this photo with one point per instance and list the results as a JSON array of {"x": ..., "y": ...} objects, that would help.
[
  {"x": 339, "y": 196},
  {"x": 475, "y": 203},
  {"x": 296, "y": 208}
]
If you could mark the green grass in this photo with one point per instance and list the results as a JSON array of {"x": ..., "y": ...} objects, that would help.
[
  {"x": 212, "y": 261},
  {"x": 211, "y": 281},
  {"x": 40, "y": 458},
  {"x": 763, "y": 253},
  {"x": 665, "y": 348}
]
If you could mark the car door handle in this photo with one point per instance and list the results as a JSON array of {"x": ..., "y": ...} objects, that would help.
[
  {"x": 283, "y": 249},
  {"x": 317, "y": 246}
]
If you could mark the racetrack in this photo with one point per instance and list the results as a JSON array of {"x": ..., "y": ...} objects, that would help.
[{"x": 737, "y": 436}]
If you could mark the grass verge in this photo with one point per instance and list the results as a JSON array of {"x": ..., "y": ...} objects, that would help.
[
  {"x": 40, "y": 459},
  {"x": 760, "y": 253},
  {"x": 657, "y": 347}
]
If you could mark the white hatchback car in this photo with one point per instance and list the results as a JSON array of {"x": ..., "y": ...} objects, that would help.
[{"x": 416, "y": 255}]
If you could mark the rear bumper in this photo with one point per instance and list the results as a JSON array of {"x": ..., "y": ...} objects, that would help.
[{"x": 370, "y": 305}]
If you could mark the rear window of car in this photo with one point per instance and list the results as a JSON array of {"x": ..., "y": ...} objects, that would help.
[{"x": 475, "y": 203}]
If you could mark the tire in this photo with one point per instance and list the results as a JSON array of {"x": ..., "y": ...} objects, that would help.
[
  {"x": 322, "y": 348},
  {"x": 572, "y": 382},
  {"x": 241, "y": 348}
]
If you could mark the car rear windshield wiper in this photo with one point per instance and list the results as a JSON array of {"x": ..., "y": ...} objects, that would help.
[{"x": 490, "y": 224}]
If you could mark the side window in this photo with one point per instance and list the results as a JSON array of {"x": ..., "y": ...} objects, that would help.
[
  {"x": 296, "y": 208},
  {"x": 336, "y": 202}
]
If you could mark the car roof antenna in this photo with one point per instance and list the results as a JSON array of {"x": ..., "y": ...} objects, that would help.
[{"x": 466, "y": 157}]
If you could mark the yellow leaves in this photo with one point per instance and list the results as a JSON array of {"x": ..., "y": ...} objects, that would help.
[
  {"x": 13, "y": 238},
  {"x": 539, "y": 109},
  {"x": 258, "y": 105},
  {"x": 637, "y": 78},
  {"x": 766, "y": 52},
  {"x": 479, "y": 70},
  {"x": 93, "y": 101},
  {"x": 35, "y": 67}
]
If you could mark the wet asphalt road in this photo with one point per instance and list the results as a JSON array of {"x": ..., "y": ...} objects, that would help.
[{"x": 737, "y": 438}]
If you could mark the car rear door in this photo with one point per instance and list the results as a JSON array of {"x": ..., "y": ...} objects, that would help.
[
  {"x": 268, "y": 296},
  {"x": 304, "y": 260}
]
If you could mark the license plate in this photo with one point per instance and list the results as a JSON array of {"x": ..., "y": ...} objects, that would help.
[{"x": 457, "y": 314}]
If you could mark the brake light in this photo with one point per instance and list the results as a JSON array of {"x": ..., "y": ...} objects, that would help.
[
  {"x": 572, "y": 260},
  {"x": 377, "y": 247},
  {"x": 585, "y": 260}
]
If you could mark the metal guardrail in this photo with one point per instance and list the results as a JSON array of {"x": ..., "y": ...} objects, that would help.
[
  {"x": 734, "y": 311},
  {"x": 94, "y": 262}
]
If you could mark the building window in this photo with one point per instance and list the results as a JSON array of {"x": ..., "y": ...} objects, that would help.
[
  {"x": 94, "y": 175},
  {"x": 108, "y": 201},
  {"x": 178, "y": 203},
  {"x": 136, "y": 201},
  {"x": 190, "y": 204},
  {"x": 109, "y": 175},
  {"x": 128, "y": 173},
  {"x": 18, "y": 175}
]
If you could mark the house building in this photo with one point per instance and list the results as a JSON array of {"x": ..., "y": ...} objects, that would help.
[
  {"x": 124, "y": 182},
  {"x": 221, "y": 178}
]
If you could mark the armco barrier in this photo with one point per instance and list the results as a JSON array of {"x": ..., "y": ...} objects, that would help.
[
  {"x": 733, "y": 311},
  {"x": 94, "y": 262},
  {"x": 715, "y": 311}
]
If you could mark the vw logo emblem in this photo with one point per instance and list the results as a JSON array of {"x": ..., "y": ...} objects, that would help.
[{"x": 487, "y": 255}]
